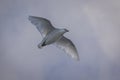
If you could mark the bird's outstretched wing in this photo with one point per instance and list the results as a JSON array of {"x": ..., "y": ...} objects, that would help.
[
  {"x": 67, "y": 45},
  {"x": 43, "y": 25}
]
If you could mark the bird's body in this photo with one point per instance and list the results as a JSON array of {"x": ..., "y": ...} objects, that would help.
[{"x": 53, "y": 35}]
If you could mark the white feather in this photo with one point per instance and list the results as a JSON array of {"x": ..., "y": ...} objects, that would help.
[{"x": 50, "y": 35}]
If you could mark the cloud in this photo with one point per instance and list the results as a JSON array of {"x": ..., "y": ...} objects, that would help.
[{"x": 94, "y": 29}]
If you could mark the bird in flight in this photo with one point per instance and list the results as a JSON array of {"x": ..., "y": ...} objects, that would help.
[{"x": 52, "y": 35}]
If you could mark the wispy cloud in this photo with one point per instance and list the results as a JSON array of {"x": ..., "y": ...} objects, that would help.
[{"x": 94, "y": 28}]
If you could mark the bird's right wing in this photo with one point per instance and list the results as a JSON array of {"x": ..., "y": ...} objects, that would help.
[
  {"x": 43, "y": 25},
  {"x": 67, "y": 46}
]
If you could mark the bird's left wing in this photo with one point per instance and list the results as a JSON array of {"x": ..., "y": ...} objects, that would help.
[
  {"x": 43, "y": 25},
  {"x": 67, "y": 46}
]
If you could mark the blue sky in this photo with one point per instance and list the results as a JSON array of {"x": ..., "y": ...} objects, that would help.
[{"x": 94, "y": 29}]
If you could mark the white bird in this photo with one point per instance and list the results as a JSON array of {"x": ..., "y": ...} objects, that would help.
[{"x": 52, "y": 35}]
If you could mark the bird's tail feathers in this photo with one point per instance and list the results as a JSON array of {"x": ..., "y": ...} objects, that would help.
[{"x": 40, "y": 45}]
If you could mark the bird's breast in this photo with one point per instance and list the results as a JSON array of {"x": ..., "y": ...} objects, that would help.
[{"x": 53, "y": 36}]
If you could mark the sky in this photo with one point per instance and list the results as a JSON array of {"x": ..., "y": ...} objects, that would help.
[{"x": 93, "y": 26}]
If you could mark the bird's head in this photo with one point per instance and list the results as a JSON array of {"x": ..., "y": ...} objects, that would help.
[{"x": 65, "y": 30}]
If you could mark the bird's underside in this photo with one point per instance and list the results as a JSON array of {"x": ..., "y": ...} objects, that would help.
[{"x": 52, "y": 35}]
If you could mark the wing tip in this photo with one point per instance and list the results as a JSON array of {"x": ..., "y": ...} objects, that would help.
[
  {"x": 35, "y": 17},
  {"x": 76, "y": 58},
  {"x": 30, "y": 17}
]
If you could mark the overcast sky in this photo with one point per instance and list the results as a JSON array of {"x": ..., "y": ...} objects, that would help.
[{"x": 94, "y": 28}]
